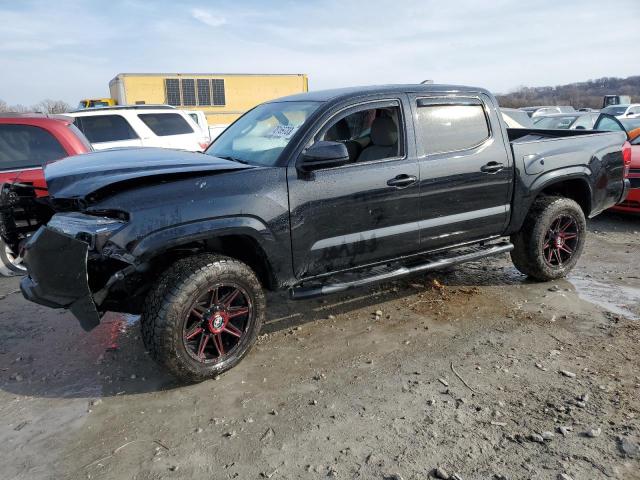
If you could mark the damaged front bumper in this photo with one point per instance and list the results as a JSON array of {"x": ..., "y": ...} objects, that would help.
[{"x": 58, "y": 277}]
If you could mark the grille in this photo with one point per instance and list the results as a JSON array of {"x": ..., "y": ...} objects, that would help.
[
  {"x": 204, "y": 92},
  {"x": 172, "y": 89},
  {"x": 217, "y": 86},
  {"x": 188, "y": 92}
]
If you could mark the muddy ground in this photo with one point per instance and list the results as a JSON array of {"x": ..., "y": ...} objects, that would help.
[{"x": 461, "y": 371}]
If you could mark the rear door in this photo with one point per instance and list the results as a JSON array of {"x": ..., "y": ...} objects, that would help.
[
  {"x": 466, "y": 173},
  {"x": 367, "y": 210},
  {"x": 109, "y": 130}
]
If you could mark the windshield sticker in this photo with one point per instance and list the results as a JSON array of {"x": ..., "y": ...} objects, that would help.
[{"x": 283, "y": 131}]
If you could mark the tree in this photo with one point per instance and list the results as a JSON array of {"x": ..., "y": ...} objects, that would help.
[{"x": 51, "y": 106}]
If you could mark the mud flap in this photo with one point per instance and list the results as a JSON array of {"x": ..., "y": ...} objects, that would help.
[{"x": 57, "y": 266}]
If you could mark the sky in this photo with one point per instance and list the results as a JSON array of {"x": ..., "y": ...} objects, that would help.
[{"x": 69, "y": 50}]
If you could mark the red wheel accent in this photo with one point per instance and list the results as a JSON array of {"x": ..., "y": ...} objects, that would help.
[
  {"x": 217, "y": 339},
  {"x": 208, "y": 332},
  {"x": 229, "y": 328},
  {"x": 193, "y": 332},
  {"x": 560, "y": 241}
]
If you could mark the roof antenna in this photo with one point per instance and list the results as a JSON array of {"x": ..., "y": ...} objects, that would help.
[{"x": 426, "y": 82}]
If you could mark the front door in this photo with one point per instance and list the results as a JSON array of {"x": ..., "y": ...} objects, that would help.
[
  {"x": 362, "y": 212},
  {"x": 466, "y": 174}
]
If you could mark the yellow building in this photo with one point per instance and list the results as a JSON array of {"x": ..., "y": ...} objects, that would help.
[{"x": 223, "y": 97}]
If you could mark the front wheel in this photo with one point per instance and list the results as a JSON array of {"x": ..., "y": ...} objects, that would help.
[
  {"x": 203, "y": 316},
  {"x": 551, "y": 239}
]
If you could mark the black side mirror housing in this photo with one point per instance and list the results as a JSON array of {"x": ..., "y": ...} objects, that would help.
[{"x": 324, "y": 154}]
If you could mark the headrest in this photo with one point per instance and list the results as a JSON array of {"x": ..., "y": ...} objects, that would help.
[
  {"x": 384, "y": 132},
  {"x": 339, "y": 131}
]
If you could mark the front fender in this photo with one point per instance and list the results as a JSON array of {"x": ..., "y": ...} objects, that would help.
[
  {"x": 275, "y": 247},
  {"x": 174, "y": 236}
]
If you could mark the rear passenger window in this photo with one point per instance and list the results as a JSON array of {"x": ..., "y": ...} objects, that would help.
[
  {"x": 23, "y": 146},
  {"x": 164, "y": 124},
  {"x": 451, "y": 127},
  {"x": 105, "y": 128}
]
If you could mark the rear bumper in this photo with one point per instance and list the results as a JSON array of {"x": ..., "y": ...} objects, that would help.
[
  {"x": 57, "y": 275},
  {"x": 626, "y": 187},
  {"x": 630, "y": 202}
]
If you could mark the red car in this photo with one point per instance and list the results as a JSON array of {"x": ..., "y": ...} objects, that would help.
[
  {"x": 631, "y": 154},
  {"x": 27, "y": 142},
  {"x": 632, "y": 203}
]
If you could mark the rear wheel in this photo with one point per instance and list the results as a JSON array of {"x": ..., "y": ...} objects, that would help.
[
  {"x": 203, "y": 316},
  {"x": 10, "y": 263},
  {"x": 551, "y": 239}
]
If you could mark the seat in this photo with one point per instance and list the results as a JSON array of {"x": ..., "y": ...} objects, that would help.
[
  {"x": 340, "y": 132},
  {"x": 384, "y": 140}
]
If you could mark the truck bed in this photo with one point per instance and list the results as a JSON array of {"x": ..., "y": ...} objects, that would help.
[
  {"x": 532, "y": 134},
  {"x": 539, "y": 155}
]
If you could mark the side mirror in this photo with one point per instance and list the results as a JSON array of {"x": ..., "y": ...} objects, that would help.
[{"x": 324, "y": 154}]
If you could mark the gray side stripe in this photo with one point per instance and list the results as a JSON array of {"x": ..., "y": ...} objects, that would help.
[{"x": 408, "y": 227}]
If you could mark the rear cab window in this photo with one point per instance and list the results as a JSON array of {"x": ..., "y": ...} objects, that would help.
[
  {"x": 105, "y": 128},
  {"x": 26, "y": 146},
  {"x": 451, "y": 125},
  {"x": 165, "y": 124}
]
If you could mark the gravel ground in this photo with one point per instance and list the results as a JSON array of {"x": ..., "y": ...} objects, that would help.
[{"x": 474, "y": 373}]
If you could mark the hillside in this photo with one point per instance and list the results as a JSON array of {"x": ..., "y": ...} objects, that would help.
[{"x": 582, "y": 94}]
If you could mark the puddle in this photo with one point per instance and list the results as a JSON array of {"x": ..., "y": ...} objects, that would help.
[{"x": 618, "y": 299}]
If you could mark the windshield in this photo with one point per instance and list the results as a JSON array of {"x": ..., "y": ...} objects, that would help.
[
  {"x": 261, "y": 134},
  {"x": 563, "y": 122},
  {"x": 614, "y": 110}
]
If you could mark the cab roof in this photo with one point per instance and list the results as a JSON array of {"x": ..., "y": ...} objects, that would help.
[{"x": 349, "y": 92}]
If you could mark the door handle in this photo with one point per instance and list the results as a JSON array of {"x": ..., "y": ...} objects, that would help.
[
  {"x": 492, "y": 167},
  {"x": 402, "y": 181}
]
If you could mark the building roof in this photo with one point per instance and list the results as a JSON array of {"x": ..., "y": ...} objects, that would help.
[{"x": 219, "y": 74}]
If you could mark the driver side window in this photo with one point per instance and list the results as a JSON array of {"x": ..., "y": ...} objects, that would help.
[{"x": 370, "y": 134}]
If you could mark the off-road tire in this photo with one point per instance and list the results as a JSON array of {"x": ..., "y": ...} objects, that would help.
[
  {"x": 167, "y": 304},
  {"x": 8, "y": 268},
  {"x": 527, "y": 256}
]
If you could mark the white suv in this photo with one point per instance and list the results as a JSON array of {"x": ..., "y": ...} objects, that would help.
[{"x": 140, "y": 126}]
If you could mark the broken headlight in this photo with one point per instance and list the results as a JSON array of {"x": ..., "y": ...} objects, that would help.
[{"x": 90, "y": 229}]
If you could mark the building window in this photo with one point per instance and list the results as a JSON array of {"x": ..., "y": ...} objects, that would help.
[
  {"x": 172, "y": 88},
  {"x": 204, "y": 92},
  {"x": 188, "y": 92},
  {"x": 217, "y": 86}
]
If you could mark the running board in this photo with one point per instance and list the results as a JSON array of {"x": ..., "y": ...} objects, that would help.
[{"x": 300, "y": 293}]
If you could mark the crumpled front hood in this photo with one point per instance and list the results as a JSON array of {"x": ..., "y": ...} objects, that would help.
[{"x": 79, "y": 176}]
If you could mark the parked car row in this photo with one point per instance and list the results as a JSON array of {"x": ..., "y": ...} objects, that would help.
[
  {"x": 141, "y": 126},
  {"x": 27, "y": 142}
]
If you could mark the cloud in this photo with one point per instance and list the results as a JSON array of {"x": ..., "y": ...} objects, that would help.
[{"x": 208, "y": 18}]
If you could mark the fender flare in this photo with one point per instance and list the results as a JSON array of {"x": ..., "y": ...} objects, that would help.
[
  {"x": 176, "y": 235},
  {"x": 558, "y": 176},
  {"x": 523, "y": 203}
]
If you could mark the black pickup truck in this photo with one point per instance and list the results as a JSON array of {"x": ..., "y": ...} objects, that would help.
[{"x": 316, "y": 193}]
